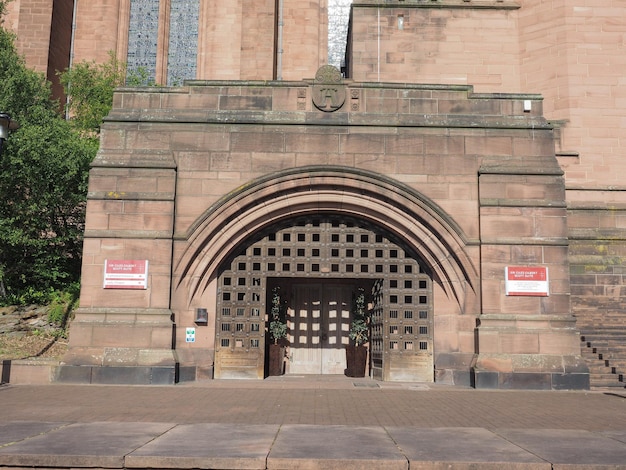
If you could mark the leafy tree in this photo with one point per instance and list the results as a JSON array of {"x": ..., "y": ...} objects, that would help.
[
  {"x": 43, "y": 182},
  {"x": 44, "y": 167},
  {"x": 90, "y": 88}
]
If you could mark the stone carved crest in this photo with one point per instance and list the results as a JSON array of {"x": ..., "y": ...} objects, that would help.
[{"x": 329, "y": 93}]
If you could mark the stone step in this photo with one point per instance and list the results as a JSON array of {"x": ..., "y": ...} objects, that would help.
[
  {"x": 606, "y": 345},
  {"x": 613, "y": 327},
  {"x": 602, "y": 337},
  {"x": 607, "y": 382},
  {"x": 618, "y": 354},
  {"x": 603, "y": 367},
  {"x": 599, "y": 367},
  {"x": 607, "y": 353},
  {"x": 604, "y": 351},
  {"x": 610, "y": 360},
  {"x": 602, "y": 324},
  {"x": 610, "y": 333},
  {"x": 600, "y": 319},
  {"x": 597, "y": 349},
  {"x": 606, "y": 326},
  {"x": 611, "y": 355},
  {"x": 609, "y": 375},
  {"x": 594, "y": 358},
  {"x": 617, "y": 366}
]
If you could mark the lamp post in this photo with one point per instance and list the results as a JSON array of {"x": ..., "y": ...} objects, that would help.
[{"x": 6, "y": 126}]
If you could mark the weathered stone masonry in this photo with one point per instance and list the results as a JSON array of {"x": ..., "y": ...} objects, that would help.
[{"x": 468, "y": 181}]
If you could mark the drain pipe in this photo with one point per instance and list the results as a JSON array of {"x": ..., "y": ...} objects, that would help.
[
  {"x": 378, "y": 44},
  {"x": 279, "y": 42}
]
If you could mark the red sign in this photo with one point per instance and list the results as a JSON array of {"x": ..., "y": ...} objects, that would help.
[
  {"x": 527, "y": 280},
  {"x": 125, "y": 274}
]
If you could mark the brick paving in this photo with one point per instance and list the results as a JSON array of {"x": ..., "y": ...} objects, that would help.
[{"x": 316, "y": 401}]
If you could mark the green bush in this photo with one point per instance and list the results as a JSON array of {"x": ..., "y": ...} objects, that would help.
[{"x": 62, "y": 305}]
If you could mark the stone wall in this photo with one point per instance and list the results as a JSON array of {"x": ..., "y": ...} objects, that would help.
[
  {"x": 597, "y": 258},
  {"x": 470, "y": 181},
  {"x": 236, "y": 40},
  {"x": 32, "y": 26},
  {"x": 450, "y": 41},
  {"x": 572, "y": 54}
]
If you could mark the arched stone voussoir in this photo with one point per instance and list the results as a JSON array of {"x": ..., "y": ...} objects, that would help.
[{"x": 385, "y": 202}]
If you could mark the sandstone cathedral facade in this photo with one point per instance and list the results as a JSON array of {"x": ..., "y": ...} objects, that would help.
[{"x": 458, "y": 161}]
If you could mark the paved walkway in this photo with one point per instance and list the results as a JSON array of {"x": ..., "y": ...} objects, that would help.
[{"x": 309, "y": 423}]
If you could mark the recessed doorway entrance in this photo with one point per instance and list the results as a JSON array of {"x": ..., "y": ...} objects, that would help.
[
  {"x": 317, "y": 263},
  {"x": 318, "y": 323}
]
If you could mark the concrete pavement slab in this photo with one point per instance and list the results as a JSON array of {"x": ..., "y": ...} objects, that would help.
[
  {"x": 322, "y": 405},
  {"x": 617, "y": 435},
  {"x": 101, "y": 445},
  {"x": 300, "y": 447},
  {"x": 11, "y": 433},
  {"x": 208, "y": 446},
  {"x": 462, "y": 449},
  {"x": 570, "y": 448}
]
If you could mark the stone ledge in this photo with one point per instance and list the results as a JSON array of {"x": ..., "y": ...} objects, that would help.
[
  {"x": 471, "y": 4},
  {"x": 130, "y": 234},
  {"x": 530, "y": 381},
  {"x": 28, "y": 371},
  {"x": 116, "y": 375},
  {"x": 541, "y": 203},
  {"x": 123, "y": 311},
  {"x": 500, "y": 319},
  {"x": 339, "y": 118},
  {"x": 129, "y": 196},
  {"x": 526, "y": 241}
]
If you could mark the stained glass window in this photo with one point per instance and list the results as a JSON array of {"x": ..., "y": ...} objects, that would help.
[
  {"x": 142, "y": 36},
  {"x": 183, "y": 43}
]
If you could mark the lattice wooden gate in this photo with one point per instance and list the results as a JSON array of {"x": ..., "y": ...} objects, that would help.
[{"x": 320, "y": 251}]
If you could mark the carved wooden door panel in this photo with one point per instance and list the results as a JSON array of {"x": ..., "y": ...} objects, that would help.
[{"x": 319, "y": 321}]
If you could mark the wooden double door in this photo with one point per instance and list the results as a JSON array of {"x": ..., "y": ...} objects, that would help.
[{"x": 319, "y": 320}]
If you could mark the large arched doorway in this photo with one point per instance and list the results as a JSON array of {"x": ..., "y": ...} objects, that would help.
[
  {"x": 222, "y": 265},
  {"x": 318, "y": 263}
]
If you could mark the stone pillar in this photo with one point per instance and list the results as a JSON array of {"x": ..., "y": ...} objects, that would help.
[
  {"x": 126, "y": 335},
  {"x": 527, "y": 342}
]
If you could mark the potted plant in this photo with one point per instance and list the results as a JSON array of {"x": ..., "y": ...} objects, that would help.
[
  {"x": 277, "y": 331},
  {"x": 356, "y": 351}
]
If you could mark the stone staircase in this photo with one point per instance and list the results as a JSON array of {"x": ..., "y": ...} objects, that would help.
[{"x": 603, "y": 336}]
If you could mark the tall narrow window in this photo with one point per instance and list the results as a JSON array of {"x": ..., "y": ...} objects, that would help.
[
  {"x": 183, "y": 41},
  {"x": 338, "y": 16},
  {"x": 142, "y": 36}
]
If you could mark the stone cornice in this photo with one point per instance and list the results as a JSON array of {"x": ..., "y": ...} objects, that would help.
[
  {"x": 472, "y": 121},
  {"x": 526, "y": 241},
  {"x": 263, "y": 102},
  {"x": 471, "y": 4}
]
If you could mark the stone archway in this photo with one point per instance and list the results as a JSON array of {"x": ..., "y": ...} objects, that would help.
[
  {"x": 415, "y": 222},
  {"x": 310, "y": 190}
]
